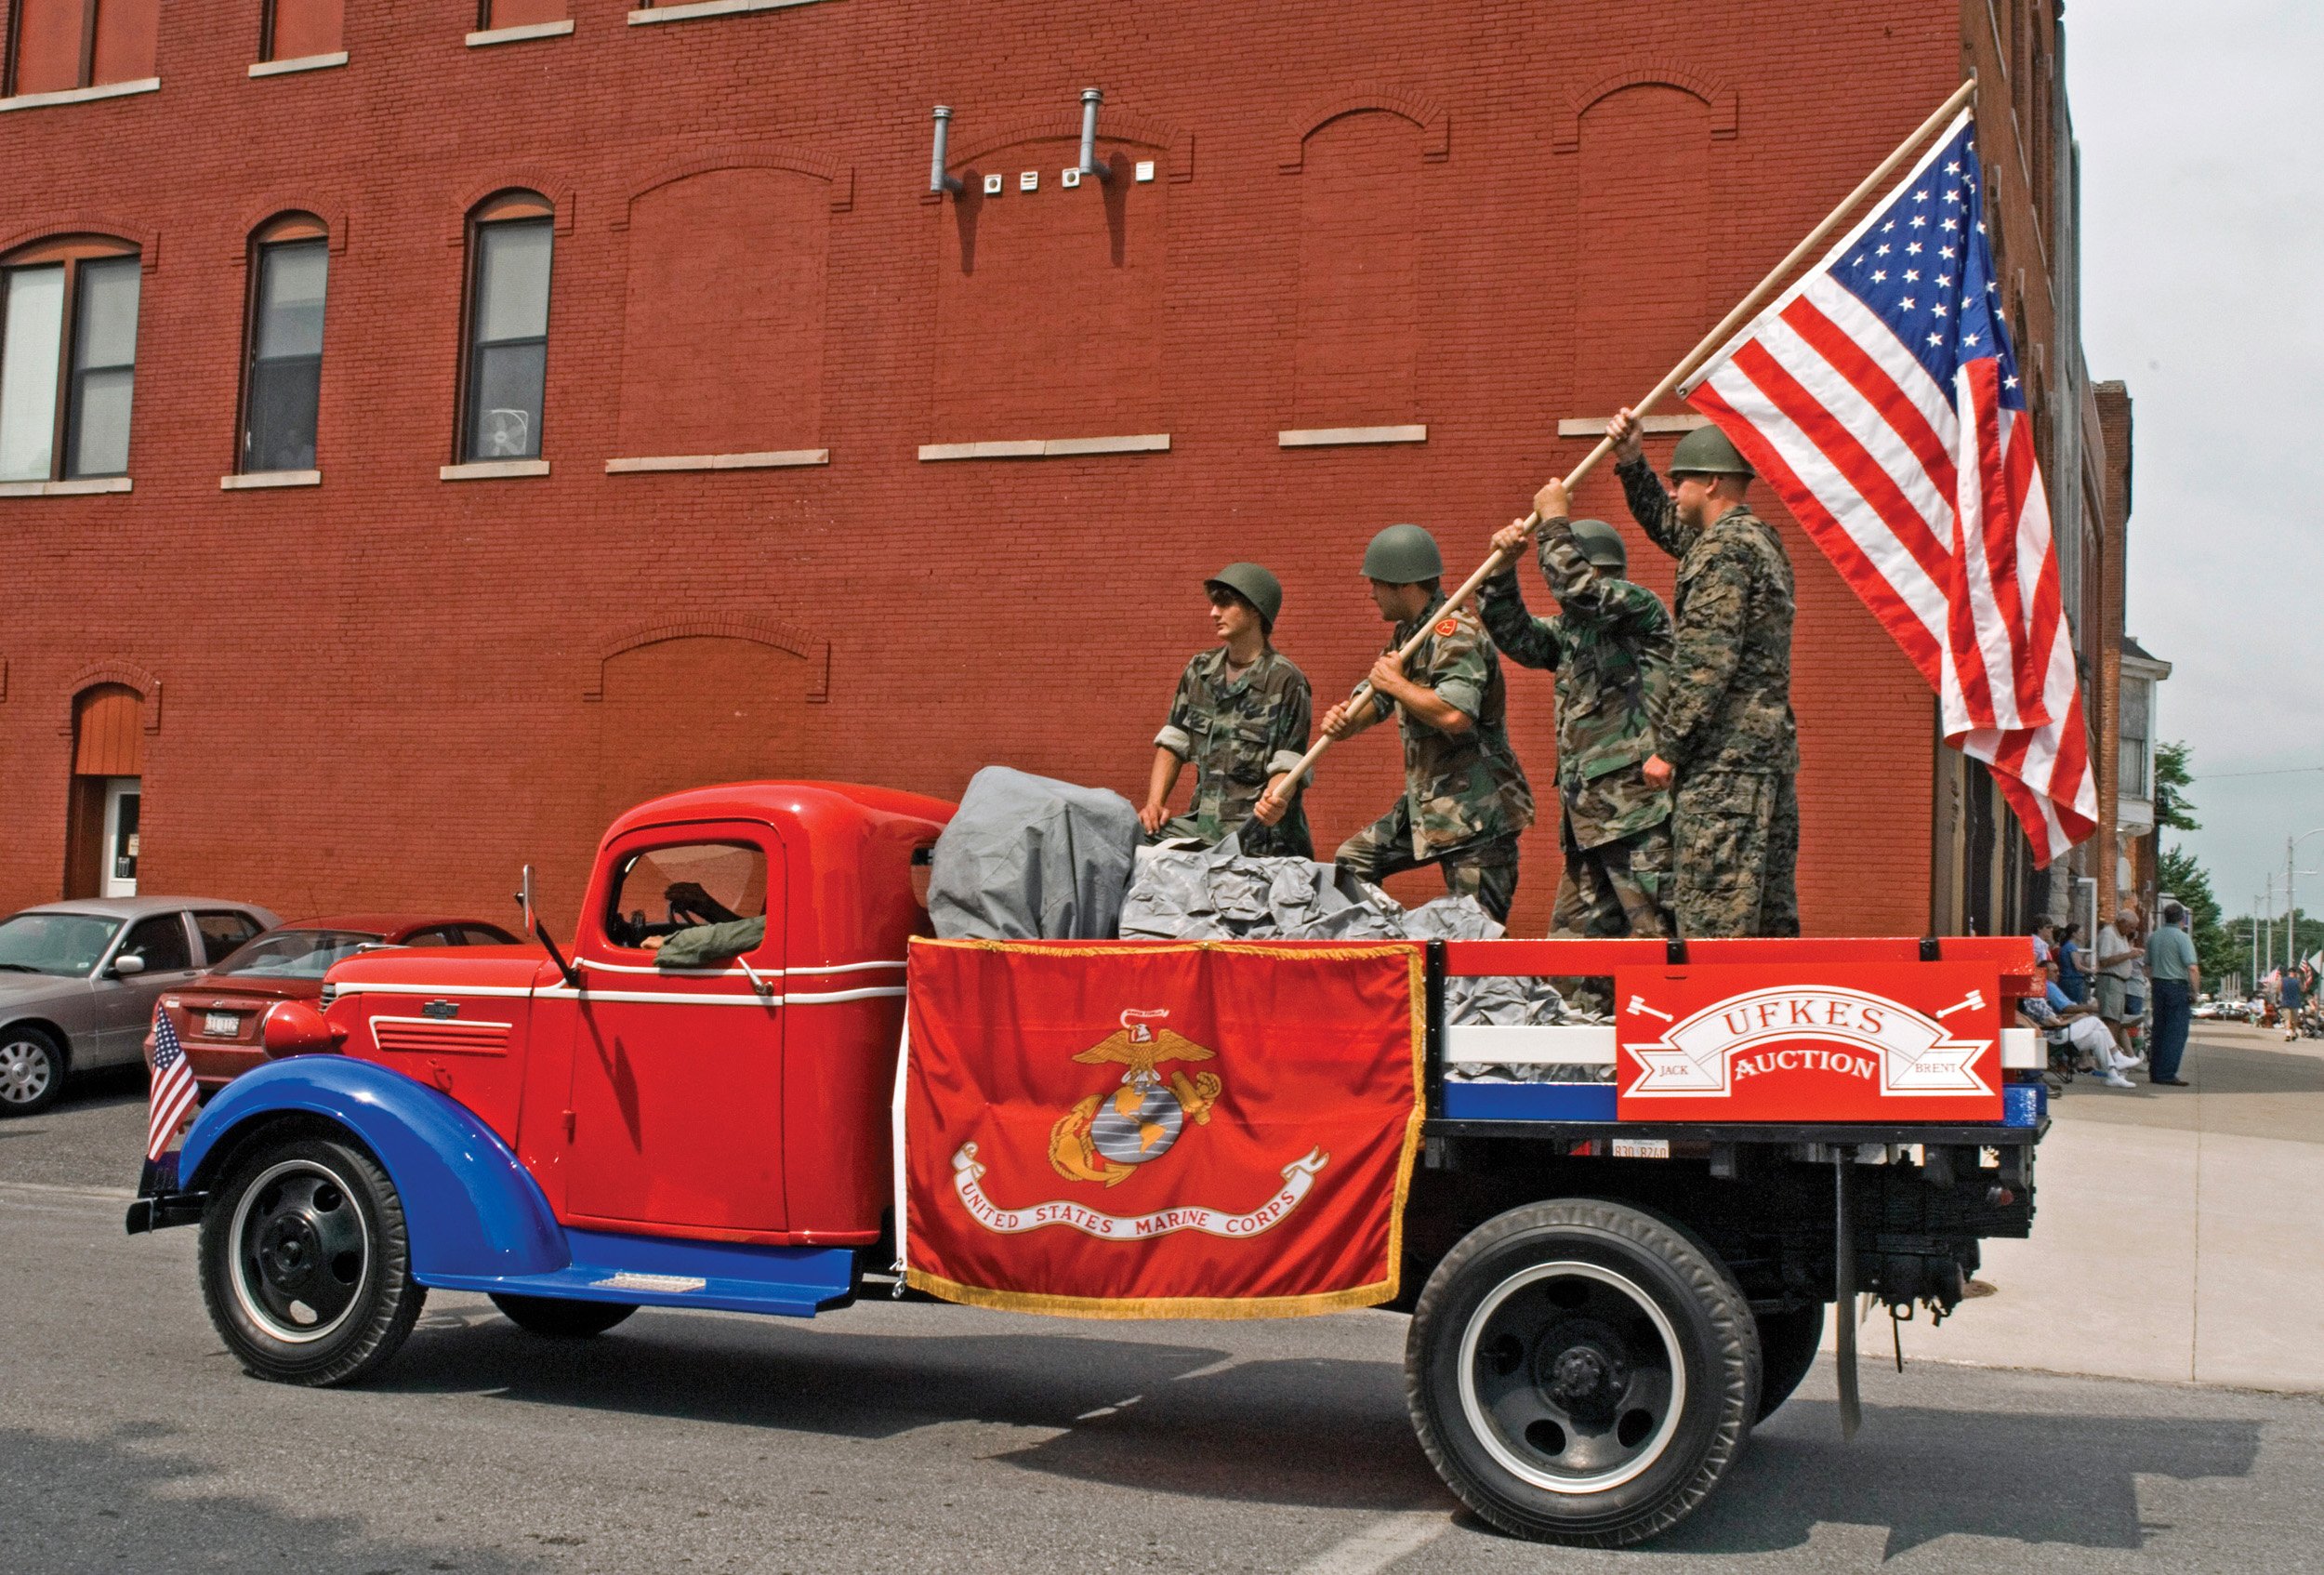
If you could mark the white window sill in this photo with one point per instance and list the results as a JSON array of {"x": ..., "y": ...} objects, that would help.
[
  {"x": 518, "y": 34},
  {"x": 768, "y": 459},
  {"x": 86, "y": 488},
  {"x": 1335, "y": 437},
  {"x": 707, "y": 8},
  {"x": 1652, "y": 426},
  {"x": 1048, "y": 448},
  {"x": 81, "y": 95},
  {"x": 492, "y": 470},
  {"x": 253, "y": 480},
  {"x": 304, "y": 62}
]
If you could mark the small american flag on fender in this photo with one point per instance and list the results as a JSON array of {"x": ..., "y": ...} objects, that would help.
[
  {"x": 173, "y": 1088},
  {"x": 1879, "y": 396}
]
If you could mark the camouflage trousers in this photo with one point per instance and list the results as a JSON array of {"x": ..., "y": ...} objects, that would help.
[
  {"x": 1486, "y": 870},
  {"x": 1617, "y": 888},
  {"x": 1736, "y": 836}
]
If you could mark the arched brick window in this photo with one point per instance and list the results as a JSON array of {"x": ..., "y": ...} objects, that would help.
[
  {"x": 281, "y": 379},
  {"x": 1639, "y": 301},
  {"x": 56, "y": 45},
  {"x": 68, "y": 358},
  {"x": 504, "y": 357},
  {"x": 1357, "y": 355}
]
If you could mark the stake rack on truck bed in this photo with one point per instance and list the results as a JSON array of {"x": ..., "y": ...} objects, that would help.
[{"x": 1615, "y": 1243}]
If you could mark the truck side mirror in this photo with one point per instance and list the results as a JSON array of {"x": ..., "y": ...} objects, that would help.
[
  {"x": 128, "y": 966},
  {"x": 533, "y": 928}
]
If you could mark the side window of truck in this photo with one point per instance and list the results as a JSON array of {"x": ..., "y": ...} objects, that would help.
[{"x": 658, "y": 891}]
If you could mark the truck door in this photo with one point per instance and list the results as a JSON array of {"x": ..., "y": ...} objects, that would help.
[{"x": 676, "y": 1113}]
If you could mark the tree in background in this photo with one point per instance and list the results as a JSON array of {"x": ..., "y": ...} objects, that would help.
[{"x": 2174, "y": 810}]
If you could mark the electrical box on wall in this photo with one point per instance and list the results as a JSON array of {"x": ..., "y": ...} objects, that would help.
[
  {"x": 994, "y": 184},
  {"x": 1029, "y": 182},
  {"x": 1145, "y": 170},
  {"x": 1069, "y": 177}
]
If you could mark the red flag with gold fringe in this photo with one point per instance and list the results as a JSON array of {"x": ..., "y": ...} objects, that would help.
[{"x": 1208, "y": 1129}]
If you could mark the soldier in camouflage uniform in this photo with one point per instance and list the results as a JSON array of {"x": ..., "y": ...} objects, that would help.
[
  {"x": 1240, "y": 715},
  {"x": 1610, "y": 646},
  {"x": 1465, "y": 797},
  {"x": 1726, "y": 733}
]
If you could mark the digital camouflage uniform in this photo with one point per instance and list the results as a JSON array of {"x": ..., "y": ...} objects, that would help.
[
  {"x": 1725, "y": 722},
  {"x": 1465, "y": 797},
  {"x": 1239, "y": 733},
  {"x": 1610, "y": 646}
]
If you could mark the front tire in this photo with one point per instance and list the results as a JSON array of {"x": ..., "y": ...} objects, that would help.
[
  {"x": 560, "y": 1317},
  {"x": 1581, "y": 1372},
  {"x": 306, "y": 1263},
  {"x": 32, "y": 1071}
]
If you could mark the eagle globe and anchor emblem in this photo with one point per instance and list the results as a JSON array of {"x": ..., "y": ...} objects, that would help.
[{"x": 1105, "y": 1136}]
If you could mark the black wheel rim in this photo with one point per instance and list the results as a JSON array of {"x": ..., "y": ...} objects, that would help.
[
  {"x": 1571, "y": 1377},
  {"x": 26, "y": 1070},
  {"x": 302, "y": 1252}
]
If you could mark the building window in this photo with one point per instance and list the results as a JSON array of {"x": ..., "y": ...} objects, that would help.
[
  {"x": 282, "y": 375},
  {"x": 2131, "y": 752},
  {"x": 508, "y": 328},
  {"x": 64, "y": 395},
  {"x": 60, "y": 45},
  {"x": 299, "y": 29},
  {"x": 496, "y": 14}
]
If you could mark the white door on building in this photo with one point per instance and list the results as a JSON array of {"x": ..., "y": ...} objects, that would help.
[{"x": 121, "y": 837}]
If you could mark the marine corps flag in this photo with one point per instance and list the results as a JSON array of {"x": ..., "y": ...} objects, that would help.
[{"x": 1175, "y": 1130}]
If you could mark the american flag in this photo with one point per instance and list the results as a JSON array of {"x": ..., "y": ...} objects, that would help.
[
  {"x": 1879, "y": 396},
  {"x": 173, "y": 1087}
]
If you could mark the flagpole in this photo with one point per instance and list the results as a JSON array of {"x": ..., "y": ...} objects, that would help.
[{"x": 1703, "y": 351}]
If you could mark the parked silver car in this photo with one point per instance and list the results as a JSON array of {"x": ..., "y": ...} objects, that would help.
[{"x": 78, "y": 980}]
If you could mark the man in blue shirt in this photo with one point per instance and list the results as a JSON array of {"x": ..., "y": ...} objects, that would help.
[
  {"x": 2288, "y": 1001},
  {"x": 2173, "y": 975}
]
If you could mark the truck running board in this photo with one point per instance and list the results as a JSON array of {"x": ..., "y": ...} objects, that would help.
[{"x": 654, "y": 1272}]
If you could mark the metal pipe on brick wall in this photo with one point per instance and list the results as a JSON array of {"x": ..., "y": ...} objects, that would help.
[
  {"x": 1090, "y": 99},
  {"x": 939, "y": 182}
]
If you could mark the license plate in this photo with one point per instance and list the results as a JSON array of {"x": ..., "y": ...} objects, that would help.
[{"x": 221, "y": 1024}]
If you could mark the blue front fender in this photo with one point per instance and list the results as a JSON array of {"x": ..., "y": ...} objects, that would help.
[{"x": 469, "y": 1206}]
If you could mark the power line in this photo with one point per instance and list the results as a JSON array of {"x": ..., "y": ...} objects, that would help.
[{"x": 2287, "y": 770}]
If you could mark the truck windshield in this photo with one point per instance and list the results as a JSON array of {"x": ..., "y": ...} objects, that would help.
[
  {"x": 662, "y": 891},
  {"x": 296, "y": 953},
  {"x": 54, "y": 943}
]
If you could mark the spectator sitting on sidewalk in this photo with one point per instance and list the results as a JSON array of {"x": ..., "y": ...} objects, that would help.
[
  {"x": 2118, "y": 951},
  {"x": 2075, "y": 1029},
  {"x": 2290, "y": 999},
  {"x": 2175, "y": 976}
]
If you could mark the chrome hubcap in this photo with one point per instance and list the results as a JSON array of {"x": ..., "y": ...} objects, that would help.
[
  {"x": 1571, "y": 1377},
  {"x": 26, "y": 1070},
  {"x": 302, "y": 1256}
]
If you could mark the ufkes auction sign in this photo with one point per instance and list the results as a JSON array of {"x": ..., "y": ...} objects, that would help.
[{"x": 1901, "y": 1041}]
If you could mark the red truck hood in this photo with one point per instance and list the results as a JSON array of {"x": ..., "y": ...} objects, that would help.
[{"x": 495, "y": 969}]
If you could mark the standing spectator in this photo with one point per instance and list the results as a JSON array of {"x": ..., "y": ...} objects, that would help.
[
  {"x": 2175, "y": 976},
  {"x": 2291, "y": 994},
  {"x": 2072, "y": 978},
  {"x": 2118, "y": 950}
]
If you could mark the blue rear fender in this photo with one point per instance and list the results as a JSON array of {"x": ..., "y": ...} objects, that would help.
[{"x": 470, "y": 1208}]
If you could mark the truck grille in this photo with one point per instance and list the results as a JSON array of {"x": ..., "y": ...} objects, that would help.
[{"x": 434, "y": 1037}]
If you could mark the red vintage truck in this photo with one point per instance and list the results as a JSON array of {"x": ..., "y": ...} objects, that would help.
[{"x": 1609, "y": 1281}]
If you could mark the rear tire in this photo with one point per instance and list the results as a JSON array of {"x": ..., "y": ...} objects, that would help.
[
  {"x": 1581, "y": 1372},
  {"x": 32, "y": 1071},
  {"x": 306, "y": 1263},
  {"x": 560, "y": 1317},
  {"x": 1788, "y": 1347}
]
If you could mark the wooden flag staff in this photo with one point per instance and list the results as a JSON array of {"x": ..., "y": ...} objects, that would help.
[{"x": 1694, "y": 357}]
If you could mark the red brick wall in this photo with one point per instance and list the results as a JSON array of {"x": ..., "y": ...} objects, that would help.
[{"x": 393, "y": 690}]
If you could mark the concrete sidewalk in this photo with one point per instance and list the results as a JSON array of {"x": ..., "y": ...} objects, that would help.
[{"x": 2177, "y": 1233}]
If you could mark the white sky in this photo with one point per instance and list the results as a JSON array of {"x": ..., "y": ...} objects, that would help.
[{"x": 2203, "y": 226}]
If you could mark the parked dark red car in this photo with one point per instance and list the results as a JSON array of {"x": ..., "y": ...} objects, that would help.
[{"x": 218, "y": 1015}]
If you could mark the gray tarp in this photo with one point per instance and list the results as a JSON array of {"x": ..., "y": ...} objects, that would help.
[{"x": 1027, "y": 858}]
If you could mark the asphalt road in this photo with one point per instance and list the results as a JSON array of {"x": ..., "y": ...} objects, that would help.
[{"x": 925, "y": 1437}]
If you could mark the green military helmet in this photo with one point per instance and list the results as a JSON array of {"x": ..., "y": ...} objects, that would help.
[
  {"x": 1706, "y": 451},
  {"x": 1601, "y": 544},
  {"x": 1403, "y": 555},
  {"x": 1255, "y": 584}
]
